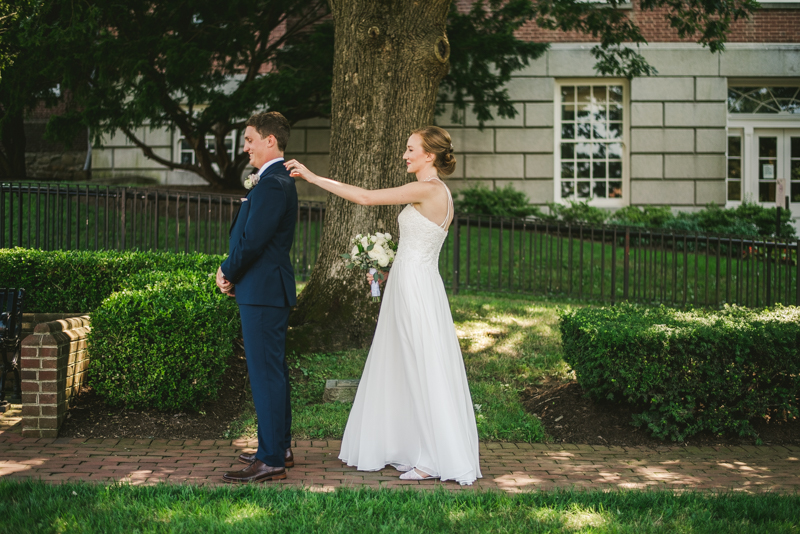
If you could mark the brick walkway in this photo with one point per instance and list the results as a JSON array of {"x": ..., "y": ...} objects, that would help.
[{"x": 511, "y": 467}]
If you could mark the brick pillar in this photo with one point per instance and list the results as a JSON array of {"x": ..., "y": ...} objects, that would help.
[{"x": 54, "y": 365}]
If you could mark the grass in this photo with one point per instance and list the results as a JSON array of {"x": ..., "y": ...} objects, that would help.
[
  {"x": 660, "y": 270},
  {"x": 507, "y": 343},
  {"x": 35, "y": 507}
]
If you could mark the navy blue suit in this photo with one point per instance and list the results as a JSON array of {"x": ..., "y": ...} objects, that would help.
[{"x": 260, "y": 267}]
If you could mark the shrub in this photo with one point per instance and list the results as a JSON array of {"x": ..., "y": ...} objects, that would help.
[
  {"x": 576, "y": 212},
  {"x": 162, "y": 342},
  {"x": 690, "y": 370},
  {"x": 504, "y": 202},
  {"x": 78, "y": 281},
  {"x": 747, "y": 219}
]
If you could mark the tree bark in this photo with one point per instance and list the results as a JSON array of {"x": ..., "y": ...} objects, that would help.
[
  {"x": 389, "y": 58},
  {"x": 12, "y": 153}
]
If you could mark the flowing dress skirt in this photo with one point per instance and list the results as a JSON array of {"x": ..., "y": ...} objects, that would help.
[{"x": 413, "y": 405}]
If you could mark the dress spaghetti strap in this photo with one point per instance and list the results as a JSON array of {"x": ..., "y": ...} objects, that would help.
[{"x": 449, "y": 200}]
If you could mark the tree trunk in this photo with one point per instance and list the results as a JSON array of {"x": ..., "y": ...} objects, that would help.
[
  {"x": 389, "y": 58},
  {"x": 12, "y": 153}
]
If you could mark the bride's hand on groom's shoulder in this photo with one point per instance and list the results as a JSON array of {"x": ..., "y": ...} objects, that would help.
[{"x": 298, "y": 170}]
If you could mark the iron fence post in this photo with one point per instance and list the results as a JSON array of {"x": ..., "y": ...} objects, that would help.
[
  {"x": 456, "y": 254},
  {"x": 626, "y": 264}
]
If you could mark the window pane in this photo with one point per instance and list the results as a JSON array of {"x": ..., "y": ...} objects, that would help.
[
  {"x": 599, "y": 151},
  {"x": 600, "y": 113},
  {"x": 614, "y": 169},
  {"x": 583, "y": 169},
  {"x": 599, "y": 169},
  {"x": 211, "y": 144},
  {"x": 582, "y": 150},
  {"x": 734, "y": 190},
  {"x": 567, "y": 169},
  {"x": 567, "y": 151},
  {"x": 766, "y": 192},
  {"x": 567, "y": 93},
  {"x": 615, "y": 112},
  {"x": 599, "y": 189},
  {"x": 567, "y": 189},
  {"x": 584, "y": 130},
  {"x": 185, "y": 145},
  {"x": 568, "y": 131},
  {"x": 615, "y": 93},
  {"x": 600, "y": 131},
  {"x": 584, "y": 188},
  {"x": 187, "y": 158},
  {"x": 568, "y": 112},
  {"x": 795, "y": 150},
  {"x": 614, "y": 189},
  {"x": 614, "y": 151},
  {"x": 734, "y": 168},
  {"x": 767, "y": 147},
  {"x": 734, "y": 146},
  {"x": 584, "y": 94},
  {"x": 615, "y": 130},
  {"x": 599, "y": 93},
  {"x": 795, "y": 194},
  {"x": 794, "y": 171}
]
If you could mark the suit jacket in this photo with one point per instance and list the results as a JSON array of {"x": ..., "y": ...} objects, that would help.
[{"x": 261, "y": 237}]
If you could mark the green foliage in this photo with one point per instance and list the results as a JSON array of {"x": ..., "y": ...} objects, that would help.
[
  {"x": 163, "y": 341},
  {"x": 504, "y": 202},
  {"x": 79, "y": 281},
  {"x": 747, "y": 219},
  {"x": 576, "y": 212},
  {"x": 689, "y": 370}
]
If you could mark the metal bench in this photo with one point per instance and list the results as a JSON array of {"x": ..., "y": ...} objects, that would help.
[{"x": 10, "y": 342}]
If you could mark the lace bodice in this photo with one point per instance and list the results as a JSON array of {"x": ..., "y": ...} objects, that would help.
[{"x": 420, "y": 238}]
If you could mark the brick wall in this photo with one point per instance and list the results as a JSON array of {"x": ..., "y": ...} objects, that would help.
[{"x": 54, "y": 366}]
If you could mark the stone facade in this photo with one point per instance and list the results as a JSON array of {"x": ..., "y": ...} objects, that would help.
[
  {"x": 54, "y": 366},
  {"x": 675, "y": 128}
]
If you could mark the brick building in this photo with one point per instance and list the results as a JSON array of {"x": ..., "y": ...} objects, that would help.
[{"x": 709, "y": 128}]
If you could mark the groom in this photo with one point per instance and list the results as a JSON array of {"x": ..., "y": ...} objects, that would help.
[{"x": 258, "y": 272}]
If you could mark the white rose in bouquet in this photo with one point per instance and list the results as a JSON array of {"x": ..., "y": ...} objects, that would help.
[
  {"x": 354, "y": 252},
  {"x": 376, "y": 252},
  {"x": 364, "y": 242}
]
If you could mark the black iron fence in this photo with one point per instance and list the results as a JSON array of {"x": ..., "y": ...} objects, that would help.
[
  {"x": 614, "y": 263},
  {"x": 600, "y": 263},
  {"x": 59, "y": 216}
]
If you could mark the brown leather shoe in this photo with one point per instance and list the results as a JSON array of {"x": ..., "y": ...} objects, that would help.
[
  {"x": 250, "y": 458},
  {"x": 258, "y": 471}
]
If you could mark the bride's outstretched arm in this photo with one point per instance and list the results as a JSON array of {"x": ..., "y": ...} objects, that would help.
[{"x": 405, "y": 194}]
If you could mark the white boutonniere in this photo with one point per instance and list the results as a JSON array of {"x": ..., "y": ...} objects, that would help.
[{"x": 251, "y": 181}]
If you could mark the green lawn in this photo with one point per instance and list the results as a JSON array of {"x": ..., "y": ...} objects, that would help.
[
  {"x": 507, "y": 342},
  {"x": 580, "y": 265},
  {"x": 34, "y": 507}
]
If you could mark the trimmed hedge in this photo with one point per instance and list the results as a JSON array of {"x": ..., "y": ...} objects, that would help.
[
  {"x": 690, "y": 370},
  {"x": 79, "y": 281},
  {"x": 163, "y": 341}
]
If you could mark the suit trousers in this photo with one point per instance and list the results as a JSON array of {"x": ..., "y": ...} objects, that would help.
[{"x": 264, "y": 332}]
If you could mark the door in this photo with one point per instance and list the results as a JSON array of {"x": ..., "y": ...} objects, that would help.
[{"x": 777, "y": 156}]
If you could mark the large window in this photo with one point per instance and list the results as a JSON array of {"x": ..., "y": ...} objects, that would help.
[
  {"x": 187, "y": 155},
  {"x": 590, "y": 142}
]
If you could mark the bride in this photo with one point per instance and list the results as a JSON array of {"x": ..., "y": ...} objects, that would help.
[{"x": 413, "y": 408}]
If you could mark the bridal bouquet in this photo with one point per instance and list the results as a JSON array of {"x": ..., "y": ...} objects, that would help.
[{"x": 373, "y": 253}]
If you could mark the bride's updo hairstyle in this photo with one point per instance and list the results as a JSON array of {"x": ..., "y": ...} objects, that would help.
[{"x": 437, "y": 141}]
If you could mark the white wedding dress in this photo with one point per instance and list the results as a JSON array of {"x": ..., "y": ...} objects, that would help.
[{"x": 413, "y": 405}]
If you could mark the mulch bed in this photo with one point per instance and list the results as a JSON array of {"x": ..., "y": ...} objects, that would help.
[
  {"x": 569, "y": 416},
  {"x": 90, "y": 417}
]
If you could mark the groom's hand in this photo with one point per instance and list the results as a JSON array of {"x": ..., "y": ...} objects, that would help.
[{"x": 224, "y": 284}]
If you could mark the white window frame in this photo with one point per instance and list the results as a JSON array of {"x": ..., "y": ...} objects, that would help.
[
  {"x": 743, "y": 160},
  {"x": 179, "y": 150},
  {"x": 623, "y": 200}
]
